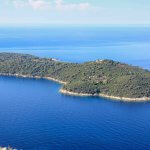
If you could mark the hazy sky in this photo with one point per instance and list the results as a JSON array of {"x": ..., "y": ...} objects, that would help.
[{"x": 38, "y": 12}]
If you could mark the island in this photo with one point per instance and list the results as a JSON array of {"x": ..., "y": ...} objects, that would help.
[{"x": 104, "y": 78}]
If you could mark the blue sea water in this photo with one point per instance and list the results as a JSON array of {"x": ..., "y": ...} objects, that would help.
[
  {"x": 80, "y": 44},
  {"x": 35, "y": 116}
]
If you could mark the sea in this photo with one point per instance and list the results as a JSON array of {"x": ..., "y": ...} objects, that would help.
[{"x": 35, "y": 116}]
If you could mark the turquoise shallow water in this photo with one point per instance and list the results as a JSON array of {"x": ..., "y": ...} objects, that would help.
[{"x": 35, "y": 116}]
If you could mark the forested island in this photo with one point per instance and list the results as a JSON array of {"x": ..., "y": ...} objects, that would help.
[{"x": 105, "y": 78}]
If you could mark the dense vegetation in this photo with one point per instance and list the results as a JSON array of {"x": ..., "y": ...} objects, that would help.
[{"x": 101, "y": 76}]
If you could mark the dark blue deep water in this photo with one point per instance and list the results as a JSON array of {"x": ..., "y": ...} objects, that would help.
[{"x": 35, "y": 116}]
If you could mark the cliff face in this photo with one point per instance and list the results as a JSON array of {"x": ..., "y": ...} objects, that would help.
[{"x": 101, "y": 77}]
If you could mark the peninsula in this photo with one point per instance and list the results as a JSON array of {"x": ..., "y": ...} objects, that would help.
[{"x": 104, "y": 78}]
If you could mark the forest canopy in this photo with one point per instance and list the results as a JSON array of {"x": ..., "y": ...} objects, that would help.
[{"x": 96, "y": 77}]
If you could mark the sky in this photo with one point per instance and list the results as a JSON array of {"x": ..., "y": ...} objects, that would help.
[{"x": 58, "y": 12}]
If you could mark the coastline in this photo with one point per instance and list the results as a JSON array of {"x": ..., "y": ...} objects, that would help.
[
  {"x": 35, "y": 77},
  {"x": 56, "y": 80},
  {"x": 142, "y": 99}
]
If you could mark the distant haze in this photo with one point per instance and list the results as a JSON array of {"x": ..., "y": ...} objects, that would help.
[{"x": 45, "y": 12}]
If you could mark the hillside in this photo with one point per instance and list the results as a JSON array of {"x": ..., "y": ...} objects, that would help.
[{"x": 101, "y": 77}]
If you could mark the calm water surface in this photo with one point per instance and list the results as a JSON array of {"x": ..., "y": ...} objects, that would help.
[
  {"x": 80, "y": 44},
  {"x": 35, "y": 116}
]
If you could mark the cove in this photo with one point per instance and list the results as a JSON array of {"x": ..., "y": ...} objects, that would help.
[{"x": 35, "y": 116}]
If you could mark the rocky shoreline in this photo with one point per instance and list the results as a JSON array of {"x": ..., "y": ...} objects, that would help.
[
  {"x": 143, "y": 99},
  {"x": 35, "y": 77},
  {"x": 63, "y": 91},
  {"x": 7, "y": 148}
]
